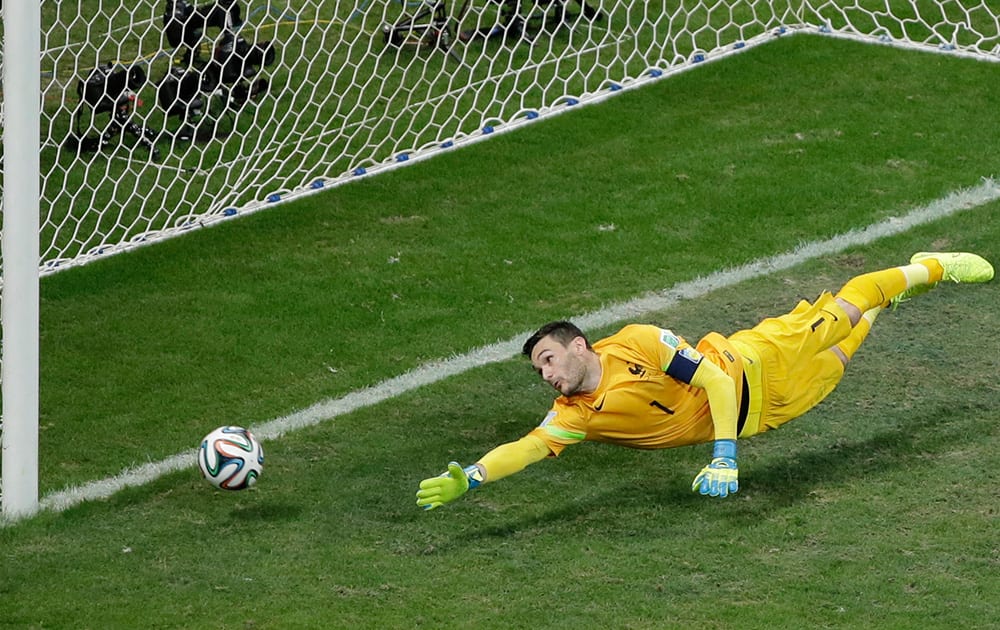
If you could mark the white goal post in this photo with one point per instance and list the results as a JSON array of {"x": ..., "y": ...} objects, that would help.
[
  {"x": 19, "y": 257},
  {"x": 128, "y": 123}
]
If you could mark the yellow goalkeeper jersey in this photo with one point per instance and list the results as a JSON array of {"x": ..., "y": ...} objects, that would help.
[{"x": 644, "y": 399}]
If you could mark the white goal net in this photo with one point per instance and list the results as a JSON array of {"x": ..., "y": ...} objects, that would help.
[
  {"x": 159, "y": 116},
  {"x": 162, "y": 115}
]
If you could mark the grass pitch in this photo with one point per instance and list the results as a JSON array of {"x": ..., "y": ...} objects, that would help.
[{"x": 874, "y": 510}]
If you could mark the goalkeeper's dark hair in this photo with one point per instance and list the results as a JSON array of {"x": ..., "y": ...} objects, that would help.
[{"x": 562, "y": 331}]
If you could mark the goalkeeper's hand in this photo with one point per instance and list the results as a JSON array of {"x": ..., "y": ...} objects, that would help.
[
  {"x": 721, "y": 477},
  {"x": 437, "y": 491}
]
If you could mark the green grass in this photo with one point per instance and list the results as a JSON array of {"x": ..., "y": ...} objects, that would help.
[
  {"x": 874, "y": 510},
  {"x": 274, "y": 303}
]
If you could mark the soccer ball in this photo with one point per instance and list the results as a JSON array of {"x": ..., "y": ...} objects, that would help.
[{"x": 231, "y": 458}]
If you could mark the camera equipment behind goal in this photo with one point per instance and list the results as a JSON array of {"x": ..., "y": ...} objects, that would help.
[
  {"x": 231, "y": 74},
  {"x": 429, "y": 27},
  {"x": 110, "y": 90},
  {"x": 539, "y": 16}
]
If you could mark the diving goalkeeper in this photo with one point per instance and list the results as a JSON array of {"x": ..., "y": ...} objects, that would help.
[{"x": 646, "y": 387}]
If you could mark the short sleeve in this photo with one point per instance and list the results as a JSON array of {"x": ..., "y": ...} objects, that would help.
[{"x": 561, "y": 427}]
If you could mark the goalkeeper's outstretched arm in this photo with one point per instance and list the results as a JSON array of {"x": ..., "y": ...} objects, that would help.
[{"x": 503, "y": 461}]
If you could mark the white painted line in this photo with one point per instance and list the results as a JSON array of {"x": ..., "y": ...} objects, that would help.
[{"x": 987, "y": 191}]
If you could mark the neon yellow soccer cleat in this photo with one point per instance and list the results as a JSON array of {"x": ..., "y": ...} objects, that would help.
[{"x": 958, "y": 267}]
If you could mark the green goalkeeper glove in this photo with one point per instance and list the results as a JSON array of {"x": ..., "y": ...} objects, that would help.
[
  {"x": 721, "y": 477},
  {"x": 437, "y": 491}
]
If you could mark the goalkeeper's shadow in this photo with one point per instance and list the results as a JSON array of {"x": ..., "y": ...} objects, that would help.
[
  {"x": 765, "y": 488},
  {"x": 801, "y": 475}
]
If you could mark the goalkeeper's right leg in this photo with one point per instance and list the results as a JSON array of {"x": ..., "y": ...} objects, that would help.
[{"x": 845, "y": 349}]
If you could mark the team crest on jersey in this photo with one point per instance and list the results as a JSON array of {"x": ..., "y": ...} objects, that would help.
[
  {"x": 636, "y": 370},
  {"x": 668, "y": 338}
]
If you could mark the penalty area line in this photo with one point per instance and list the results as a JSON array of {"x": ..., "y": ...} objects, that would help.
[{"x": 987, "y": 191}]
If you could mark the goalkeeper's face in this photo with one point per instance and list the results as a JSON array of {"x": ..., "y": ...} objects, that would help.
[{"x": 567, "y": 368}]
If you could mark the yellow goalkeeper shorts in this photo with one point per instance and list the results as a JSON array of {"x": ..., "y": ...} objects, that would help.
[{"x": 790, "y": 367}]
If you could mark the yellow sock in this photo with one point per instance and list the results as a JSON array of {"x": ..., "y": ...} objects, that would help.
[
  {"x": 877, "y": 288},
  {"x": 860, "y": 331},
  {"x": 934, "y": 270}
]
